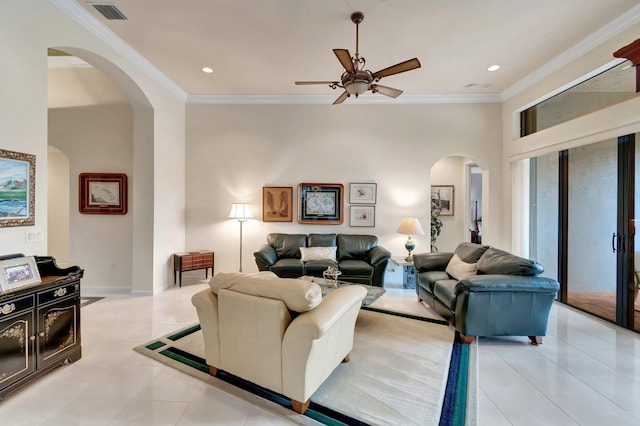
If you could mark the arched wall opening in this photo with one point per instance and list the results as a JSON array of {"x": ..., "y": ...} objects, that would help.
[
  {"x": 469, "y": 185},
  {"x": 116, "y": 137}
]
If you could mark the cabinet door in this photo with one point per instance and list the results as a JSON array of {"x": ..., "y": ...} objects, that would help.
[
  {"x": 17, "y": 358},
  {"x": 58, "y": 330}
]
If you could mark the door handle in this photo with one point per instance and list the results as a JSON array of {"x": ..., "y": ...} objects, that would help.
[{"x": 613, "y": 242}]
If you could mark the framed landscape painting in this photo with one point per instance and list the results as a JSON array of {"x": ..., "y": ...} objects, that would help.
[
  {"x": 17, "y": 188},
  {"x": 320, "y": 203},
  {"x": 277, "y": 204}
]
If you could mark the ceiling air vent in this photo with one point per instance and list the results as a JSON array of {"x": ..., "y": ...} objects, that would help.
[{"x": 109, "y": 11}]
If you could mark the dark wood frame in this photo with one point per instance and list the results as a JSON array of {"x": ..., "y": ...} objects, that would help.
[
  {"x": 277, "y": 193},
  {"x": 29, "y": 218},
  {"x": 89, "y": 181},
  {"x": 310, "y": 190}
]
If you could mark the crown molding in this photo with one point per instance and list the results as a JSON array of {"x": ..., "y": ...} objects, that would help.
[
  {"x": 102, "y": 32},
  {"x": 328, "y": 99},
  {"x": 613, "y": 28}
]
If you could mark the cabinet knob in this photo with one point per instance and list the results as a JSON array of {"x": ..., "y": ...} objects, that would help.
[
  {"x": 8, "y": 308},
  {"x": 41, "y": 334},
  {"x": 32, "y": 338}
]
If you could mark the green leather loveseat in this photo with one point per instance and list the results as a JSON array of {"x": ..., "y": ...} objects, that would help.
[
  {"x": 358, "y": 257},
  {"x": 484, "y": 291}
]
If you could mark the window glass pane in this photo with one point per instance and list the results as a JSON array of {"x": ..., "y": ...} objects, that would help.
[
  {"x": 615, "y": 85},
  {"x": 544, "y": 213}
]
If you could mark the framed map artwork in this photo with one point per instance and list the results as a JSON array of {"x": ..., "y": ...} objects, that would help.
[{"x": 321, "y": 203}]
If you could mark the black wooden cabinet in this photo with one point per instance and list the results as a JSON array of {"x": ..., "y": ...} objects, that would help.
[{"x": 39, "y": 329}]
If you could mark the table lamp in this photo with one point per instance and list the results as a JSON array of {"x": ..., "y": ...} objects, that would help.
[
  {"x": 410, "y": 226},
  {"x": 241, "y": 212}
]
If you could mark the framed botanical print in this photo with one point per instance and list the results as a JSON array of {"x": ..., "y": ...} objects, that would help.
[
  {"x": 320, "y": 203},
  {"x": 103, "y": 193},
  {"x": 362, "y": 216},
  {"x": 362, "y": 193},
  {"x": 277, "y": 204}
]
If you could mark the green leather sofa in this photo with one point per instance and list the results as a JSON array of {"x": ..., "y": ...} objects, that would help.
[
  {"x": 359, "y": 257},
  {"x": 504, "y": 296}
]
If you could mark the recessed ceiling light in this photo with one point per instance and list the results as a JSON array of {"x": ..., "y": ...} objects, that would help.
[
  {"x": 208, "y": 70},
  {"x": 494, "y": 68}
]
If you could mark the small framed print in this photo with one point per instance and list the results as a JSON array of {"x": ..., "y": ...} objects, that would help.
[
  {"x": 103, "y": 193},
  {"x": 362, "y": 216},
  {"x": 277, "y": 204},
  {"x": 362, "y": 193},
  {"x": 18, "y": 272},
  {"x": 320, "y": 203},
  {"x": 442, "y": 198}
]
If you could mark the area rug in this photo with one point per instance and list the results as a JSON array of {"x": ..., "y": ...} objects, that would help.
[
  {"x": 409, "y": 371},
  {"x": 86, "y": 300}
]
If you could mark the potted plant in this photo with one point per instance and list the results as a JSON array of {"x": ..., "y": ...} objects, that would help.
[{"x": 436, "y": 225}]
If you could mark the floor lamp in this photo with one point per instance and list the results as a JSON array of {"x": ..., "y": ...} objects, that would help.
[{"x": 241, "y": 212}]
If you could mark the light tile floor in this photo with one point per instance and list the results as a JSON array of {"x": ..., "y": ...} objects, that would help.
[{"x": 587, "y": 372}]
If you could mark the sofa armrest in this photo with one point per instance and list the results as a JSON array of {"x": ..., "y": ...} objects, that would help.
[
  {"x": 265, "y": 257},
  {"x": 378, "y": 254},
  {"x": 511, "y": 283},
  {"x": 206, "y": 304},
  {"x": 431, "y": 261}
]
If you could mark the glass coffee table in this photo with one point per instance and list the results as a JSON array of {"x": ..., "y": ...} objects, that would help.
[{"x": 373, "y": 292}]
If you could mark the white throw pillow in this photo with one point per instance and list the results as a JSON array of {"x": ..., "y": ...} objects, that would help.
[
  {"x": 317, "y": 253},
  {"x": 460, "y": 269},
  {"x": 298, "y": 295}
]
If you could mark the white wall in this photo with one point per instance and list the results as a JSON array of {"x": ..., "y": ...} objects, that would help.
[
  {"x": 27, "y": 29},
  {"x": 97, "y": 139},
  {"x": 58, "y": 212},
  {"x": 235, "y": 150}
]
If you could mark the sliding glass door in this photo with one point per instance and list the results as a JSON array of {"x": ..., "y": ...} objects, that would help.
[{"x": 583, "y": 217}]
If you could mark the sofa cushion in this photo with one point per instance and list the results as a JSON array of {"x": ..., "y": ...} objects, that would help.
[
  {"x": 427, "y": 279},
  {"x": 355, "y": 267},
  {"x": 318, "y": 253},
  {"x": 495, "y": 261},
  {"x": 297, "y": 295},
  {"x": 470, "y": 252},
  {"x": 287, "y": 245},
  {"x": 322, "y": 240},
  {"x": 288, "y": 268},
  {"x": 355, "y": 246},
  {"x": 445, "y": 291},
  {"x": 317, "y": 267},
  {"x": 459, "y": 269}
]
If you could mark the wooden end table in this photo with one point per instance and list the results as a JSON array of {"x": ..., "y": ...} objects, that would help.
[{"x": 192, "y": 260}]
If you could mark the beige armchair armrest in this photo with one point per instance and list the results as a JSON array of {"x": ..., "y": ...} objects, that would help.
[{"x": 318, "y": 340}]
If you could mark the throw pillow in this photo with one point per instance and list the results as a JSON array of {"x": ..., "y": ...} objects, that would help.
[
  {"x": 459, "y": 269},
  {"x": 297, "y": 295},
  {"x": 317, "y": 253}
]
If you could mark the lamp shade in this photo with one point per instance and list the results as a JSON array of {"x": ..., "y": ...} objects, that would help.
[
  {"x": 410, "y": 226},
  {"x": 240, "y": 211}
]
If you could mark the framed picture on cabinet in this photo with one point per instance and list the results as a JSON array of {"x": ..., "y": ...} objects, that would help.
[
  {"x": 17, "y": 188},
  {"x": 320, "y": 203},
  {"x": 362, "y": 216},
  {"x": 18, "y": 272},
  {"x": 103, "y": 193},
  {"x": 277, "y": 204},
  {"x": 362, "y": 193}
]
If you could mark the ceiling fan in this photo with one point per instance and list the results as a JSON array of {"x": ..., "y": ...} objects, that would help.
[{"x": 356, "y": 80}]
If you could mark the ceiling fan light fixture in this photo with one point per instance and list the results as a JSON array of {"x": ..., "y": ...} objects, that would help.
[{"x": 356, "y": 87}]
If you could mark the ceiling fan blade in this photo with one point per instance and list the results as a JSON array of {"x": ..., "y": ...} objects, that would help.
[
  {"x": 345, "y": 59},
  {"x": 341, "y": 98},
  {"x": 302, "y": 83},
  {"x": 409, "y": 65},
  {"x": 387, "y": 91}
]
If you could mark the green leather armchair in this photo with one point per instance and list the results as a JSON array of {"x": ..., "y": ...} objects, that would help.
[
  {"x": 359, "y": 257},
  {"x": 504, "y": 296}
]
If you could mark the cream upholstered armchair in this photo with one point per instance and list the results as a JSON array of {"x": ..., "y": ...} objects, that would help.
[{"x": 279, "y": 333}]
